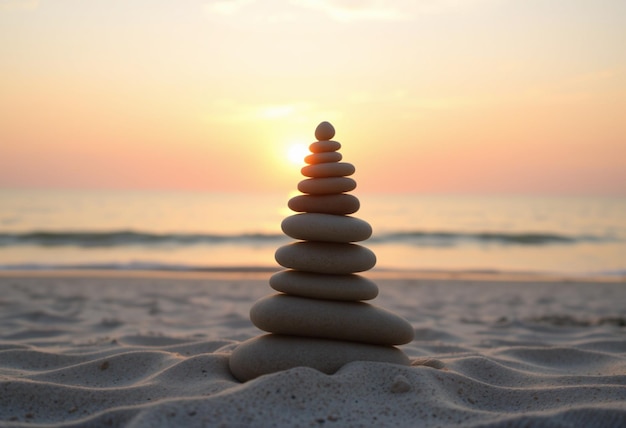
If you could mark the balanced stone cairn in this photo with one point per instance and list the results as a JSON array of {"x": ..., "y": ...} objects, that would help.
[{"x": 318, "y": 319}]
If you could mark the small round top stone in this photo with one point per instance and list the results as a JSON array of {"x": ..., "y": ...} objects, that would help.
[{"x": 324, "y": 131}]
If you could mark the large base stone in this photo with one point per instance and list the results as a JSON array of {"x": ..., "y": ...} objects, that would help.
[
  {"x": 330, "y": 319},
  {"x": 272, "y": 353}
]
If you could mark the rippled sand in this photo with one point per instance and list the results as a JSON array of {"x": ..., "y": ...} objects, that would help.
[{"x": 86, "y": 349}]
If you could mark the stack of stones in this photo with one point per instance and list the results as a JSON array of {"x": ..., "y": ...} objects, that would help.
[{"x": 318, "y": 319}]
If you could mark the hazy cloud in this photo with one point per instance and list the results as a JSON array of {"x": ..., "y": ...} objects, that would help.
[
  {"x": 226, "y": 7},
  {"x": 340, "y": 10},
  {"x": 354, "y": 10},
  {"x": 229, "y": 110},
  {"x": 19, "y": 4},
  {"x": 346, "y": 10}
]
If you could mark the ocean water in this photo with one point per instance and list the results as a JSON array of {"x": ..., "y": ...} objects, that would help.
[{"x": 197, "y": 231}]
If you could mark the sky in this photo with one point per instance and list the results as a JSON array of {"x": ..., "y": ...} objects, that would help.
[{"x": 427, "y": 96}]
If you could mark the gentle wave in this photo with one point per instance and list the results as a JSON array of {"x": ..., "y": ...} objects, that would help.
[
  {"x": 125, "y": 238},
  {"x": 453, "y": 238},
  {"x": 136, "y": 266},
  {"x": 186, "y": 267}
]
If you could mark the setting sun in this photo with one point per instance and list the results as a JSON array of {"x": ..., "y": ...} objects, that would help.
[{"x": 297, "y": 152}]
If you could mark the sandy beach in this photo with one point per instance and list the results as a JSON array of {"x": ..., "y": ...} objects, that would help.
[{"x": 152, "y": 349}]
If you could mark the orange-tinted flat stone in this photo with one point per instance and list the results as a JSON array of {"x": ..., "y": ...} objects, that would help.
[
  {"x": 326, "y": 186},
  {"x": 329, "y": 204}
]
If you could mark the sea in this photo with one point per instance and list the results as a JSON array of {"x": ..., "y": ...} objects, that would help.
[{"x": 194, "y": 231}]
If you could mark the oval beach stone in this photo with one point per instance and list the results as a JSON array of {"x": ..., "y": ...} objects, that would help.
[
  {"x": 324, "y": 146},
  {"x": 272, "y": 353},
  {"x": 325, "y": 257},
  {"x": 330, "y": 319},
  {"x": 334, "y": 169},
  {"x": 329, "y": 204},
  {"x": 326, "y": 227},
  {"x": 323, "y": 157},
  {"x": 323, "y": 286},
  {"x": 324, "y": 131},
  {"x": 326, "y": 186}
]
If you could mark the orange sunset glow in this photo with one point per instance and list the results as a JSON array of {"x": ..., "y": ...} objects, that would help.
[{"x": 433, "y": 96}]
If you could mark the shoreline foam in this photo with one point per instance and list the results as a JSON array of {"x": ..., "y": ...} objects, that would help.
[{"x": 264, "y": 272}]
